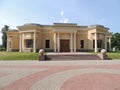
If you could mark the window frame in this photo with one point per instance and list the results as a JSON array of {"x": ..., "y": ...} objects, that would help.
[
  {"x": 29, "y": 43},
  {"x": 47, "y": 43},
  {"x": 82, "y": 43}
]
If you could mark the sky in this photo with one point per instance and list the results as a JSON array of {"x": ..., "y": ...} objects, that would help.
[{"x": 83, "y": 12}]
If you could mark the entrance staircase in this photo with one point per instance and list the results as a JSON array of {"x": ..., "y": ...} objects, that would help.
[{"x": 71, "y": 56}]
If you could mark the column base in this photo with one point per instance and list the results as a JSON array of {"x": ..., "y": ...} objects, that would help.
[
  {"x": 96, "y": 50},
  {"x": 20, "y": 51},
  {"x": 71, "y": 50},
  {"x": 75, "y": 50},
  {"x": 55, "y": 50}
]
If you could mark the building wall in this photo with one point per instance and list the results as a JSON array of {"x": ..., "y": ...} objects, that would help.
[
  {"x": 39, "y": 40},
  {"x": 47, "y": 35},
  {"x": 15, "y": 42},
  {"x": 44, "y": 33},
  {"x": 13, "y": 38},
  {"x": 82, "y": 35}
]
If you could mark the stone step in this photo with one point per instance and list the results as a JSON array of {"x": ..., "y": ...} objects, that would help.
[{"x": 72, "y": 57}]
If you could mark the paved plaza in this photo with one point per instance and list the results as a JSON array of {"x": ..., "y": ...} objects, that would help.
[{"x": 60, "y": 75}]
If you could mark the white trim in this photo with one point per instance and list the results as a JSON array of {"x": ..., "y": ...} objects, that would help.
[
  {"x": 7, "y": 44},
  {"x": 74, "y": 42},
  {"x": 96, "y": 49},
  {"x": 34, "y": 44},
  {"x": 110, "y": 43},
  {"x": 105, "y": 43},
  {"x": 54, "y": 42},
  {"x": 58, "y": 39},
  {"x": 66, "y": 31},
  {"x": 28, "y": 31},
  {"x": 20, "y": 43},
  {"x": 71, "y": 42}
]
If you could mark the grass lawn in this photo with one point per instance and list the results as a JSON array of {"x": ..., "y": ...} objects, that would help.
[
  {"x": 111, "y": 55},
  {"x": 114, "y": 55},
  {"x": 34, "y": 56},
  {"x": 18, "y": 56}
]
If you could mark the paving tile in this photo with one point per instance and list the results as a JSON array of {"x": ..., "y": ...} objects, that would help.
[{"x": 60, "y": 75}]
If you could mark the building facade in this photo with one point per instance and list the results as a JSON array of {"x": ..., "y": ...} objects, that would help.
[{"x": 59, "y": 37}]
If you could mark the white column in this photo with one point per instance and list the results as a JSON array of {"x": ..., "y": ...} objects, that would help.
[
  {"x": 23, "y": 41},
  {"x": 105, "y": 43},
  {"x": 54, "y": 42},
  {"x": 20, "y": 43},
  {"x": 34, "y": 44},
  {"x": 74, "y": 42},
  {"x": 109, "y": 43},
  {"x": 71, "y": 42},
  {"x": 7, "y": 43},
  {"x": 58, "y": 39},
  {"x": 96, "y": 49}
]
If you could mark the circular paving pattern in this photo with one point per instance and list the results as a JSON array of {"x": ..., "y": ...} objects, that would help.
[
  {"x": 94, "y": 81},
  {"x": 62, "y": 75}
]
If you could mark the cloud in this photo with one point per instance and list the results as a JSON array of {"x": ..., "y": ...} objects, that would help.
[
  {"x": 62, "y": 13},
  {"x": 65, "y": 21}
]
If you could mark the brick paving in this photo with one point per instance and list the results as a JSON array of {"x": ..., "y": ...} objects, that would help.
[{"x": 60, "y": 75}]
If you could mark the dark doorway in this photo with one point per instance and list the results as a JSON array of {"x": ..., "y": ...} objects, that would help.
[{"x": 64, "y": 45}]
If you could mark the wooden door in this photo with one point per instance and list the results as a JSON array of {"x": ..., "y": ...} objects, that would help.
[{"x": 64, "y": 45}]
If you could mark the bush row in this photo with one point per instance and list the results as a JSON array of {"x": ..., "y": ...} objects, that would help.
[{"x": 2, "y": 49}]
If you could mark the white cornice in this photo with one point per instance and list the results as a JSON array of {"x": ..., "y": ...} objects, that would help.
[
  {"x": 28, "y": 31},
  {"x": 66, "y": 31}
]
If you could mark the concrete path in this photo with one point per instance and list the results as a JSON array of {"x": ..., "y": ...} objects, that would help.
[{"x": 60, "y": 75}]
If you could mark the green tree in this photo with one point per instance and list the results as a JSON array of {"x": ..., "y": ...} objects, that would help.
[
  {"x": 4, "y": 36},
  {"x": 115, "y": 41}
]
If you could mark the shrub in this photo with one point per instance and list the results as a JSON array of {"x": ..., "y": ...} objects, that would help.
[{"x": 2, "y": 49}]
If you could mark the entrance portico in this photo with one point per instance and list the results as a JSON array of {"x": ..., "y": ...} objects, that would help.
[
  {"x": 100, "y": 41},
  {"x": 68, "y": 39}
]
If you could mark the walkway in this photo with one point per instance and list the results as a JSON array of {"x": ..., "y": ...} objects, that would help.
[{"x": 60, "y": 75}]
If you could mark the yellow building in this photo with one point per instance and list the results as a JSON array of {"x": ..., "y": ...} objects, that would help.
[{"x": 59, "y": 37}]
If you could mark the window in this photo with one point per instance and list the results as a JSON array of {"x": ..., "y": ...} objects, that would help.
[
  {"x": 47, "y": 43},
  {"x": 99, "y": 43},
  {"x": 81, "y": 43},
  {"x": 29, "y": 43}
]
